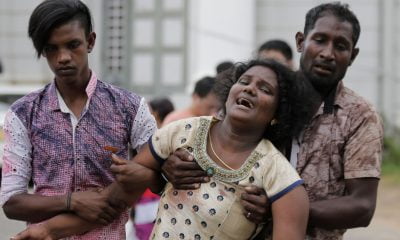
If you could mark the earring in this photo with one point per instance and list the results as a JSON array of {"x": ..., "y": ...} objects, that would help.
[{"x": 273, "y": 122}]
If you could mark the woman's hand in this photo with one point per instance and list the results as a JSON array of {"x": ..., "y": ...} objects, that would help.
[
  {"x": 255, "y": 204},
  {"x": 34, "y": 232},
  {"x": 129, "y": 174}
]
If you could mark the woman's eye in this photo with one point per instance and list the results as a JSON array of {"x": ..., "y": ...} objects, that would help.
[
  {"x": 243, "y": 81},
  {"x": 266, "y": 90}
]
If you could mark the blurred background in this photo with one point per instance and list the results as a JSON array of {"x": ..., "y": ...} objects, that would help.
[{"x": 161, "y": 47}]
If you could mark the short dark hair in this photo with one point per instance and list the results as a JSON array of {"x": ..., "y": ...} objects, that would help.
[
  {"x": 204, "y": 86},
  {"x": 50, "y": 14},
  {"x": 337, "y": 9},
  {"x": 162, "y": 106},
  {"x": 292, "y": 112},
  {"x": 277, "y": 45},
  {"x": 225, "y": 65}
]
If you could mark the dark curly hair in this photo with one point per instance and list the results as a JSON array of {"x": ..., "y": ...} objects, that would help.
[{"x": 291, "y": 114}]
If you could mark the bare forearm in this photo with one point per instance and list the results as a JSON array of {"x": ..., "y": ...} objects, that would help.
[
  {"x": 34, "y": 208},
  {"x": 118, "y": 195},
  {"x": 65, "y": 225},
  {"x": 340, "y": 213}
]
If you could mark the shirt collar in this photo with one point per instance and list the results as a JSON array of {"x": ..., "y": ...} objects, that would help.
[
  {"x": 338, "y": 99},
  {"x": 54, "y": 95}
]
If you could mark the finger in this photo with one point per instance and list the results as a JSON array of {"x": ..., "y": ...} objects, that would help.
[
  {"x": 118, "y": 160},
  {"x": 106, "y": 217},
  {"x": 259, "y": 200},
  {"x": 190, "y": 173},
  {"x": 189, "y": 166},
  {"x": 116, "y": 169},
  {"x": 191, "y": 180},
  {"x": 21, "y": 235},
  {"x": 110, "y": 211},
  {"x": 183, "y": 155},
  {"x": 254, "y": 190},
  {"x": 187, "y": 186}
]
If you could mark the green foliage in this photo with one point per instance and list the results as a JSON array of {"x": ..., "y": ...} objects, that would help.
[
  {"x": 391, "y": 151},
  {"x": 391, "y": 159}
]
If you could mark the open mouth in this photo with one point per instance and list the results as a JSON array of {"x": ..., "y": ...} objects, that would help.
[{"x": 245, "y": 102}]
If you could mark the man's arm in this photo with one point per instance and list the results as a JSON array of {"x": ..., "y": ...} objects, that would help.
[{"x": 355, "y": 209}]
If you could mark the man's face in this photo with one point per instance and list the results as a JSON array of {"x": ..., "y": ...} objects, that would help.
[
  {"x": 326, "y": 52},
  {"x": 66, "y": 52},
  {"x": 208, "y": 105}
]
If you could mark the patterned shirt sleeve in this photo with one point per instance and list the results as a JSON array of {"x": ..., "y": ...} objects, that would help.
[
  {"x": 17, "y": 159},
  {"x": 143, "y": 127},
  {"x": 363, "y": 151},
  {"x": 280, "y": 178}
]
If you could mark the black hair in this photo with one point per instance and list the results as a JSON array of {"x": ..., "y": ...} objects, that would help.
[
  {"x": 278, "y": 45},
  {"x": 224, "y": 66},
  {"x": 50, "y": 14},
  {"x": 163, "y": 106},
  {"x": 204, "y": 86},
  {"x": 293, "y": 111},
  {"x": 341, "y": 11}
]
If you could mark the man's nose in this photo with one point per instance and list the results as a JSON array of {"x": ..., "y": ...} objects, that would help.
[
  {"x": 327, "y": 52},
  {"x": 64, "y": 56}
]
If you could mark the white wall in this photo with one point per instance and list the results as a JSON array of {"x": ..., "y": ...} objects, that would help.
[
  {"x": 219, "y": 30},
  {"x": 16, "y": 49}
]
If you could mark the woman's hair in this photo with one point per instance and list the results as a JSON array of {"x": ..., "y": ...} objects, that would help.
[
  {"x": 291, "y": 114},
  {"x": 51, "y": 14}
]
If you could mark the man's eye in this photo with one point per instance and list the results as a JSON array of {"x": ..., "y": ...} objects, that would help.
[
  {"x": 48, "y": 49},
  {"x": 341, "y": 47},
  {"x": 74, "y": 44}
]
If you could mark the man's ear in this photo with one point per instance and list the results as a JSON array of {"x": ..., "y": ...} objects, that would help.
[
  {"x": 354, "y": 54},
  {"x": 91, "y": 41},
  {"x": 300, "y": 41}
]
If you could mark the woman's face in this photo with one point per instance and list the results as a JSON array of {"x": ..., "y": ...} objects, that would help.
[{"x": 254, "y": 97}]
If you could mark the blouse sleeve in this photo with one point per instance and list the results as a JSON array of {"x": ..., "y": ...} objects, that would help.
[
  {"x": 280, "y": 178},
  {"x": 167, "y": 139}
]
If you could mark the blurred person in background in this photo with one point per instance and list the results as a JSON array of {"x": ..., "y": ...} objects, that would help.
[
  {"x": 160, "y": 108},
  {"x": 57, "y": 135},
  {"x": 278, "y": 50},
  {"x": 204, "y": 102},
  {"x": 144, "y": 211},
  {"x": 223, "y": 66}
]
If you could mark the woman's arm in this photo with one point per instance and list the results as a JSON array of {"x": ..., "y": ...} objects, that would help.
[{"x": 290, "y": 215}]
